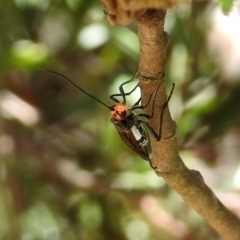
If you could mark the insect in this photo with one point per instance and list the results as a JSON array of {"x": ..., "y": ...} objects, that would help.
[{"x": 129, "y": 125}]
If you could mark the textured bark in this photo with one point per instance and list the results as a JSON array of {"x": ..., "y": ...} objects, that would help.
[
  {"x": 121, "y": 12},
  {"x": 188, "y": 183}
]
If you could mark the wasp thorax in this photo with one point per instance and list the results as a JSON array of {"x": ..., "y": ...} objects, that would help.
[{"x": 120, "y": 111}]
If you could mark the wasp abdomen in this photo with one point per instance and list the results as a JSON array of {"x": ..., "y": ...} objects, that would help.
[{"x": 139, "y": 135}]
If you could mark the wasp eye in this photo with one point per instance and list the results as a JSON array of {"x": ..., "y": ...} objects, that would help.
[{"x": 123, "y": 113}]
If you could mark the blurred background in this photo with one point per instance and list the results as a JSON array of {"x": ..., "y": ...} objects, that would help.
[{"x": 64, "y": 172}]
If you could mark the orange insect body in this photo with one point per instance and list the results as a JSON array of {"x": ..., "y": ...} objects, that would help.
[{"x": 120, "y": 111}]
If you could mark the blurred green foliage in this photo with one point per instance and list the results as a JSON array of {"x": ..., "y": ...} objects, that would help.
[
  {"x": 226, "y": 4},
  {"x": 65, "y": 174}
]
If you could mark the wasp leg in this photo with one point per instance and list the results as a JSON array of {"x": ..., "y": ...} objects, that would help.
[
  {"x": 135, "y": 106},
  {"x": 122, "y": 93},
  {"x": 151, "y": 164},
  {"x": 150, "y": 116}
]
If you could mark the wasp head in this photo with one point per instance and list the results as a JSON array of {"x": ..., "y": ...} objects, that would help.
[{"x": 120, "y": 111}]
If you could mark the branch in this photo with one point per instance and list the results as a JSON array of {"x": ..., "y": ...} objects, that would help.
[{"x": 188, "y": 183}]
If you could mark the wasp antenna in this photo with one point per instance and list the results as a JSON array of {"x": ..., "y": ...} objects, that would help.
[{"x": 74, "y": 84}]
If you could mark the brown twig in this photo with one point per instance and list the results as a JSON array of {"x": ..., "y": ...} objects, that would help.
[{"x": 188, "y": 183}]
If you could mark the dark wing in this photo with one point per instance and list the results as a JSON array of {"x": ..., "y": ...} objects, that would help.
[{"x": 129, "y": 139}]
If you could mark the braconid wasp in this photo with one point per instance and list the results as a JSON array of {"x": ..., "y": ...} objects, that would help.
[{"x": 127, "y": 122}]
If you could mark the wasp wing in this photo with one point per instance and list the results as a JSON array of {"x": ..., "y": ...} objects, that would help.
[{"x": 131, "y": 142}]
